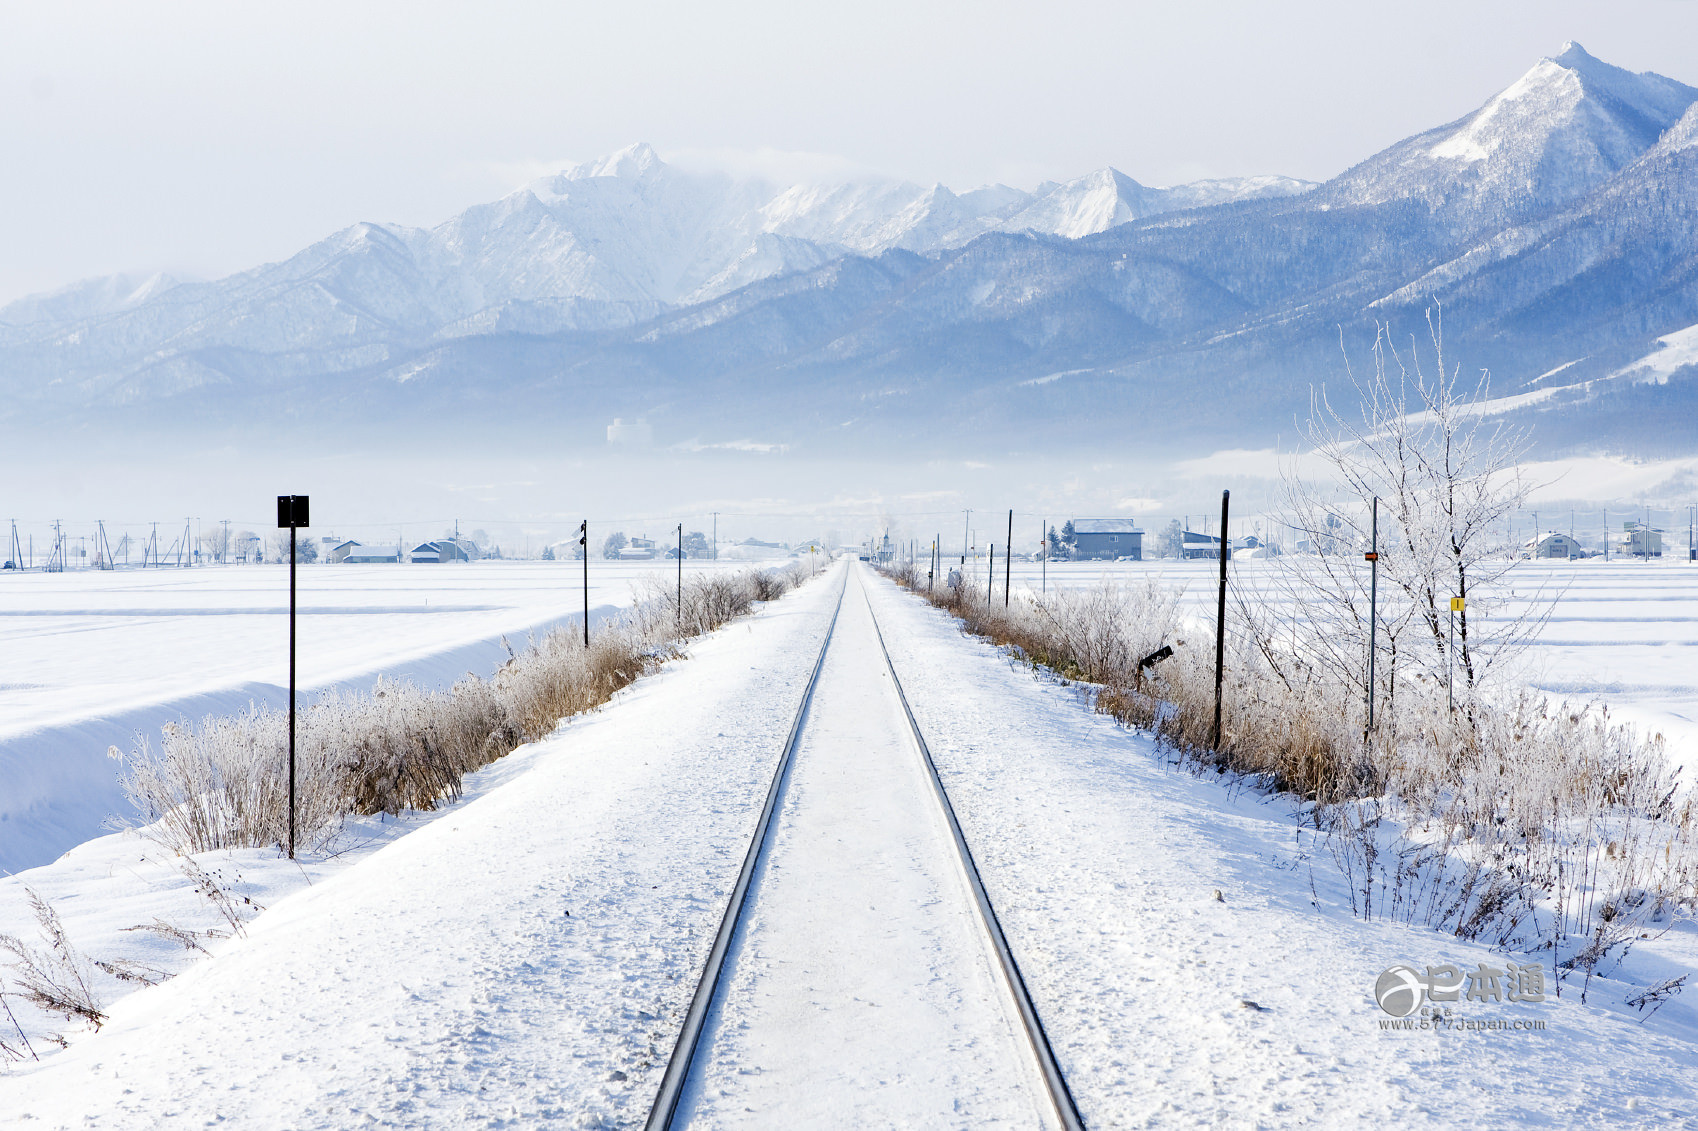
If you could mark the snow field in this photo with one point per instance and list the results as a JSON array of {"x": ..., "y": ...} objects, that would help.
[
  {"x": 522, "y": 956},
  {"x": 1168, "y": 1007},
  {"x": 90, "y": 659},
  {"x": 1625, "y": 633},
  {"x": 442, "y": 980},
  {"x": 860, "y": 990}
]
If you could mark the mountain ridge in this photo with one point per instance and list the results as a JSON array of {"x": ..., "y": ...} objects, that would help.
[{"x": 1555, "y": 224}]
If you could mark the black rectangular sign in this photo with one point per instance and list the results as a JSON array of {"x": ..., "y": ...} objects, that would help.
[{"x": 292, "y": 512}]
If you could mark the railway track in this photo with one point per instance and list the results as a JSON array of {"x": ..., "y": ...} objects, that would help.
[{"x": 1056, "y": 1104}]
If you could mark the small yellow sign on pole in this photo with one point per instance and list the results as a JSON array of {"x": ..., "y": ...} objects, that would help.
[{"x": 1457, "y": 604}]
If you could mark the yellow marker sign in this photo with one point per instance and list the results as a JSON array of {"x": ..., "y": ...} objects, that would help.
[{"x": 1457, "y": 604}]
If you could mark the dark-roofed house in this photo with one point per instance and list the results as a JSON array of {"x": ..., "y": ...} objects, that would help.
[
  {"x": 1193, "y": 544},
  {"x": 1106, "y": 539}
]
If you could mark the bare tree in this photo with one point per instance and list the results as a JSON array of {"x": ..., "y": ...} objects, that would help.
[{"x": 1446, "y": 472}]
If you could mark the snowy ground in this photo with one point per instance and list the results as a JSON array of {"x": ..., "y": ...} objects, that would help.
[
  {"x": 524, "y": 956},
  {"x": 89, "y": 659},
  {"x": 521, "y": 957}
]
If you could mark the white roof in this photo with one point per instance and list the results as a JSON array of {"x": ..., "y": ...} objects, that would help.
[{"x": 1106, "y": 526}]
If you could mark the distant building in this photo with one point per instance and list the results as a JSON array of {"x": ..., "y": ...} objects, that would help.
[
  {"x": 357, "y": 554},
  {"x": 639, "y": 550},
  {"x": 1107, "y": 539},
  {"x": 1195, "y": 545},
  {"x": 458, "y": 550},
  {"x": 1554, "y": 545},
  {"x": 445, "y": 550},
  {"x": 1639, "y": 541}
]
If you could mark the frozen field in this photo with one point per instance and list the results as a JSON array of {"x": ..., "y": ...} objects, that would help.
[
  {"x": 1621, "y": 632},
  {"x": 88, "y": 659},
  {"x": 1192, "y": 951}
]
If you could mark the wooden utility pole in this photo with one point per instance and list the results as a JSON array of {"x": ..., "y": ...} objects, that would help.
[
  {"x": 1373, "y": 556},
  {"x": 1008, "y": 561},
  {"x": 1220, "y": 615}
]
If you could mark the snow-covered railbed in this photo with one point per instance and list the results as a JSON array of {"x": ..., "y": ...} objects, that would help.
[
  {"x": 1169, "y": 1006},
  {"x": 90, "y": 659},
  {"x": 519, "y": 958},
  {"x": 860, "y": 990}
]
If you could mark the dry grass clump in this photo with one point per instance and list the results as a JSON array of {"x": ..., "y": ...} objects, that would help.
[
  {"x": 54, "y": 977},
  {"x": 1513, "y": 820},
  {"x": 224, "y": 783}
]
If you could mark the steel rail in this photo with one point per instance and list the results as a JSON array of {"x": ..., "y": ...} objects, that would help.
[
  {"x": 1055, "y": 1083},
  {"x": 689, "y": 1037}
]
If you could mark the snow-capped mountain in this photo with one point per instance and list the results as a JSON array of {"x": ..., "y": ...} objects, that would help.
[
  {"x": 1557, "y": 224},
  {"x": 1550, "y": 137},
  {"x": 599, "y": 246}
]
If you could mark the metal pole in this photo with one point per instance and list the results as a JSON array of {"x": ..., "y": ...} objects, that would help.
[
  {"x": 966, "y": 523},
  {"x": 1373, "y": 606},
  {"x": 1008, "y": 561},
  {"x": 584, "y": 540},
  {"x": 1220, "y": 615},
  {"x": 680, "y": 577},
  {"x": 1045, "y": 567},
  {"x": 292, "y": 556},
  {"x": 1450, "y": 661},
  {"x": 990, "y": 576}
]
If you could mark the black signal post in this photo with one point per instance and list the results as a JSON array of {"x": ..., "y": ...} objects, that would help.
[{"x": 292, "y": 516}]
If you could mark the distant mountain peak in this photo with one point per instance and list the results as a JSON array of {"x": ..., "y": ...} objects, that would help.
[
  {"x": 634, "y": 162},
  {"x": 1565, "y": 126}
]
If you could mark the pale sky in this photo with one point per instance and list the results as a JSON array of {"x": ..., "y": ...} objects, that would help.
[{"x": 210, "y": 137}]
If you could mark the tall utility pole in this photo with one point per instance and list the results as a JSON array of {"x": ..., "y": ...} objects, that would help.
[
  {"x": 716, "y": 536},
  {"x": 1373, "y": 556},
  {"x": 1008, "y": 561},
  {"x": 584, "y": 541},
  {"x": 1043, "y": 549},
  {"x": 1220, "y": 615},
  {"x": 680, "y": 579},
  {"x": 966, "y": 524}
]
